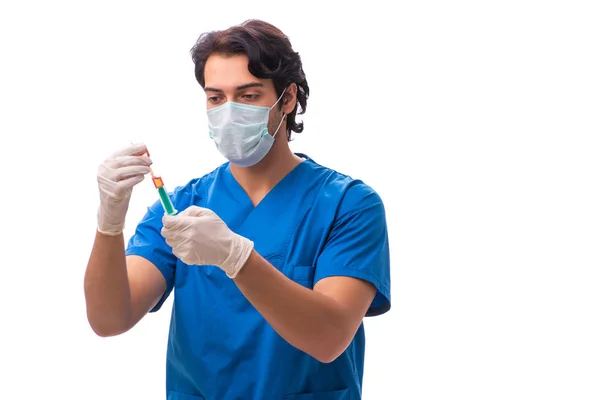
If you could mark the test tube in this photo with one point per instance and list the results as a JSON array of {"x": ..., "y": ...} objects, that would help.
[
  {"x": 164, "y": 196},
  {"x": 165, "y": 200}
]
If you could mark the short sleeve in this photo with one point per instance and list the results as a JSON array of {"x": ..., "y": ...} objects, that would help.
[
  {"x": 357, "y": 245},
  {"x": 147, "y": 242}
]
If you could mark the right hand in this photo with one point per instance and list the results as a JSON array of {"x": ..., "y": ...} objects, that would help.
[{"x": 117, "y": 176}]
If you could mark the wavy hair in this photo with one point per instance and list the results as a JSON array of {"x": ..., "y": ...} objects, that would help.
[{"x": 270, "y": 56}]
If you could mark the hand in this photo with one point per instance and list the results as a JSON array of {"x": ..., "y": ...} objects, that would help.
[
  {"x": 117, "y": 176},
  {"x": 199, "y": 237}
]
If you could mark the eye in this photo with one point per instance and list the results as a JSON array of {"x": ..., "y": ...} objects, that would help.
[
  {"x": 213, "y": 99},
  {"x": 250, "y": 97}
]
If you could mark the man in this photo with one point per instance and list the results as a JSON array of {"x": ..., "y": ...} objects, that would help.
[{"x": 274, "y": 259}]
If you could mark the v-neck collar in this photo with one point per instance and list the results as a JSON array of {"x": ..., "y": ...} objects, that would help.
[{"x": 239, "y": 194}]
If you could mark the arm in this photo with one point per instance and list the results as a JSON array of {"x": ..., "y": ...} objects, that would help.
[
  {"x": 352, "y": 280},
  {"x": 321, "y": 322},
  {"x": 119, "y": 290}
]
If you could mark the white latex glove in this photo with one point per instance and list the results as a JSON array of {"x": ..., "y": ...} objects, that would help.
[
  {"x": 199, "y": 237},
  {"x": 117, "y": 176}
]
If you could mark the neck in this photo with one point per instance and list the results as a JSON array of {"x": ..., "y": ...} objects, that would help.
[{"x": 262, "y": 177}]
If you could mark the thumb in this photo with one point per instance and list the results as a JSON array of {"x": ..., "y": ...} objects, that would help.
[
  {"x": 175, "y": 222},
  {"x": 195, "y": 211},
  {"x": 169, "y": 221},
  {"x": 184, "y": 218}
]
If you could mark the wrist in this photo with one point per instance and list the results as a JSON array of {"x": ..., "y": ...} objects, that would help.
[
  {"x": 242, "y": 250},
  {"x": 108, "y": 224}
]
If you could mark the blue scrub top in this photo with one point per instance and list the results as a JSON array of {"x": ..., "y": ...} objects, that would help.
[{"x": 315, "y": 223}]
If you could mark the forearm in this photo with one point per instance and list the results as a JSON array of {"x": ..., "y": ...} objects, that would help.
[
  {"x": 106, "y": 286},
  {"x": 308, "y": 320}
]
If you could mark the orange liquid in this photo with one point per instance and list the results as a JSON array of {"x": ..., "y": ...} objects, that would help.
[{"x": 158, "y": 182}]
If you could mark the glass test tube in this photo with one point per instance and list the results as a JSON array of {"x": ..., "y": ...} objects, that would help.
[
  {"x": 164, "y": 196},
  {"x": 165, "y": 200}
]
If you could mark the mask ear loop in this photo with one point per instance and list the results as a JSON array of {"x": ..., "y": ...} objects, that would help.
[
  {"x": 284, "y": 114},
  {"x": 279, "y": 126},
  {"x": 278, "y": 99}
]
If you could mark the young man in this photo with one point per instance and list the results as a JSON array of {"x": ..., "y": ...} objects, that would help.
[{"x": 275, "y": 260}]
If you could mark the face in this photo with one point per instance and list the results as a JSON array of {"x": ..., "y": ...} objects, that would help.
[{"x": 227, "y": 79}]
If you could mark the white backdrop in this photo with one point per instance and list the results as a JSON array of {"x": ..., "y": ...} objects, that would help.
[{"x": 477, "y": 122}]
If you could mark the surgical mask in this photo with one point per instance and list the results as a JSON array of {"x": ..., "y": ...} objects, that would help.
[{"x": 240, "y": 131}]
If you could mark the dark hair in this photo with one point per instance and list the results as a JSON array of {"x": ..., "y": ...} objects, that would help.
[{"x": 270, "y": 56}]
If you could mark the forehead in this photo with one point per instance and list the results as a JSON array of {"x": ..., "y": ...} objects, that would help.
[{"x": 226, "y": 72}]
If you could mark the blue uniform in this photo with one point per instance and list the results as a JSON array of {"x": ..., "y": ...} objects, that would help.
[{"x": 315, "y": 223}]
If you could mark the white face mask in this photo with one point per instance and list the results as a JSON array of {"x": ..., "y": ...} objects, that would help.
[{"x": 240, "y": 131}]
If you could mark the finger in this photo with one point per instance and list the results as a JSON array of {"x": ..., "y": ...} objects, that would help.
[
  {"x": 118, "y": 189},
  {"x": 186, "y": 260},
  {"x": 176, "y": 244},
  {"x": 195, "y": 211},
  {"x": 131, "y": 150},
  {"x": 175, "y": 222},
  {"x": 167, "y": 231},
  {"x": 129, "y": 172},
  {"x": 130, "y": 182},
  {"x": 171, "y": 236},
  {"x": 168, "y": 222},
  {"x": 171, "y": 242},
  {"x": 126, "y": 161}
]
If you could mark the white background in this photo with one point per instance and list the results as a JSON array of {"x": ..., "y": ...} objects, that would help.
[{"x": 476, "y": 121}]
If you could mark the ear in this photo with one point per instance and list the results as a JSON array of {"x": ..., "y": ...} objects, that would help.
[{"x": 289, "y": 98}]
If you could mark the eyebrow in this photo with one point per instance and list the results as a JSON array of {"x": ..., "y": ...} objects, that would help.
[{"x": 241, "y": 87}]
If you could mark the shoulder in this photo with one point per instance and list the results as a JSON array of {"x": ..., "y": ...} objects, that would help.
[{"x": 352, "y": 194}]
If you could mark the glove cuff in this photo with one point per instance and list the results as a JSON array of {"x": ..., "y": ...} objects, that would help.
[
  {"x": 109, "y": 233},
  {"x": 108, "y": 227},
  {"x": 241, "y": 250}
]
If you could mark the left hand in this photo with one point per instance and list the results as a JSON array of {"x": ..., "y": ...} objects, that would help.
[{"x": 199, "y": 237}]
